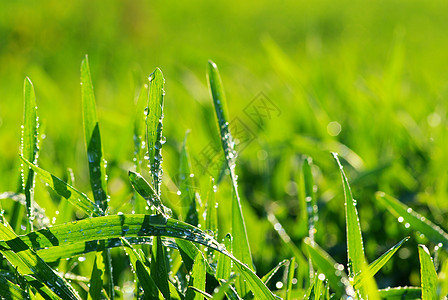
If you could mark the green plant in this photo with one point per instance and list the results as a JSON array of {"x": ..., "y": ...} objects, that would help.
[{"x": 175, "y": 253}]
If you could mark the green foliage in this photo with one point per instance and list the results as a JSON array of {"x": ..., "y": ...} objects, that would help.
[{"x": 175, "y": 253}]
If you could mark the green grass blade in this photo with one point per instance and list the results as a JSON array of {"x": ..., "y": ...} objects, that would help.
[
  {"x": 135, "y": 225},
  {"x": 290, "y": 277},
  {"x": 189, "y": 212},
  {"x": 268, "y": 276},
  {"x": 29, "y": 147},
  {"x": 223, "y": 267},
  {"x": 428, "y": 274},
  {"x": 417, "y": 222},
  {"x": 311, "y": 203},
  {"x": 401, "y": 293},
  {"x": 75, "y": 197},
  {"x": 96, "y": 279},
  {"x": 375, "y": 266},
  {"x": 241, "y": 248},
  {"x": 154, "y": 125},
  {"x": 197, "y": 279},
  {"x": 333, "y": 271},
  {"x": 28, "y": 262},
  {"x": 139, "y": 128},
  {"x": 148, "y": 193},
  {"x": 211, "y": 216},
  {"x": 224, "y": 288},
  {"x": 159, "y": 269},
  {"x": 142, "y": 271},
  {"x": 97, "y": 164},
  {"x": 11, "y": 291},
  {"x": 355, "y": 248}
]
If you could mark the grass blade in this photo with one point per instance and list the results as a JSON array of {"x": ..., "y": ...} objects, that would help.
[
  {"x": 28, "y": 262},
  {"x": 189, "y": 212},
  {"x": 333, "y": 271},
  {"x": 223, "y": 267},
  {"x": 154, "y": 125},
  {"x": 29, "y": 147},
  {"x": 135, "y": 225},
  {"x": 417, "y": 222},
  {"x": 401, "y": 293},
  {"x": 375, "y": 266},
  {"x": 272, "y": 272},
  {"x": 75, "y": 197},
  {"x": 311, "y": 203},
  {"x": 148, "y": 193},
  {"x": 241, "y": 248},
  {"x": 197, "y": 279},
  {"x": 159, "y": 268},
  {"x": 290, "y": 277},
  {"x": 11, "y": 291},
  {"x": 143, "y": 272},
  {"x": 428, "y": 274},
  {"x": 355, "y": 248},
  {"x": 97, "y": 164},
  {"x": 96, "y": 279}
]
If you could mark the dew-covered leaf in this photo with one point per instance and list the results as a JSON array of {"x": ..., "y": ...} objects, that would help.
[
  {"x": 290, "y": 277},
  {"x": 154, "y": 125},
  {"x": 148, "y": 193},
  {"x": 75, "y": 197},
  {"x": 375, "y": 266},
  {"x": 29, "y": 146},
  {"x": 333, "y": 271},
  {"x": 27, "y": 262},
  {"x": 97, "y": 163},
  {"x": 355, "y": 248},
  {"x": 197, "y": 279},
  {"x": 239, "y": 232},
  {"x": 401, "y": 293},
  {"x": 428, "y": 274},
  {"x": 410, "y": 218}
]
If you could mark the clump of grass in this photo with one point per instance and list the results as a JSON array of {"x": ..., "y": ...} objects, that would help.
[{"x": 175, "y": 254}]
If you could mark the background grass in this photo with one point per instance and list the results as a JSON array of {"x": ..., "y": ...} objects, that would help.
[{"x": 377, "y": 68}]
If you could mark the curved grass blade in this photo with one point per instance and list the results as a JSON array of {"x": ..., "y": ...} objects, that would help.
[
  {"x": 241, "y": 248},
  {"x": 29, "y": 147},
  {"x": 375, "y": 266},
  {"x": 417, "y": 222},
  {"x": 197, "y": 279},
  {"x": 65, "y": 190},
  {"x": 97, "y": 164},
  {"x": 154, "y": 125},
  {"x": 401, "y": 293},
  {"x": 135, "y": 225},
  {"x": 56, "y": 253},
  {"x": 148, "y": 193},
  {"x": 428, "y": 274},
  {"x": 355, "y": 248},
  {"x": 333, "y": 271},
  {"x": 28, "y": 262}
]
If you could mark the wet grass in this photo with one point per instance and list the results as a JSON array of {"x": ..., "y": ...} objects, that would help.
[{"x": 182, "y": 250}]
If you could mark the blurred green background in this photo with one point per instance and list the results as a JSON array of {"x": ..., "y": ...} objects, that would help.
[{"x": 367, "y": 79}]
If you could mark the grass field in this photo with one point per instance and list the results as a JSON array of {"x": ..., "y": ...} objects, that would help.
[{"x": 366, "y": 80}]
